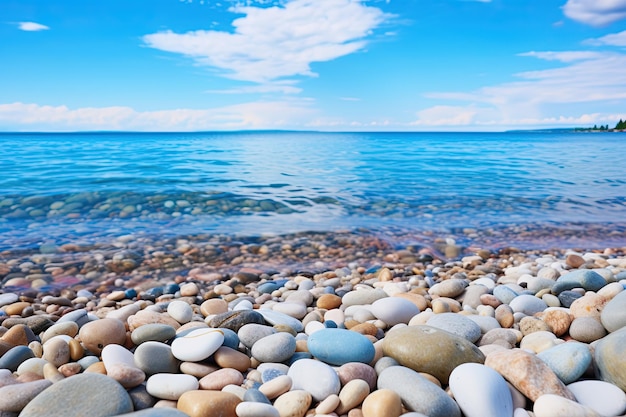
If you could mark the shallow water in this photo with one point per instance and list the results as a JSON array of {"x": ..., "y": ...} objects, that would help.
[{"x": 56, "y": 188}]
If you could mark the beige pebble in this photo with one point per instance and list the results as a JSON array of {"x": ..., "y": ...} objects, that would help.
[
  {"x": 539, "y": 341},
  {"x": 528, "y": 325},
  {"x": 440, "y": 306},
  {"x": 200, "y": 403},
  {"x": 231, "y": 358},
  {"x": 70, "y": 369},
  {"x": 96, "y": 334},
  {"x": 504, "y": 316},
  {"x": 221, "y": 378},
  {"x": 293, "y": 403},
  {"x": 128, "y": 376},
  {"x": 146, "y": 317},
  {"x": 56, "y": 351},
  {"x": 589, "y": 305},
  {"x": 328, "y": 301},
  {"x": 382, "y": 403},
  {"x": 328, "y": 405},
  {"x": 16, "y": 309},
  {"x": 276, "y": 387},
  {"x": 51, "y": 373},
  {"x": 189, "y": 289},
  {"x": 76, "y": 350},
  {"x": 68, "y": 328},
  {"x": 352, "y": 395},
  {"x": 213, "y": 306},
  {"x": 197, "y": 369}
]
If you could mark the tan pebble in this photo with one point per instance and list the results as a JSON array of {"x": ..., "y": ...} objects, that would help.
[
  {"x": 96, "y": 334},
  {"x": 197, "y": 369},
  {"x": 28, "y": 377},
  {"x": 539, "y": 341},
  {"x": 328, "y": 301},
  {"x": 68, "y": 328},
  {"x": 293, "y": 403},
  {"x": 97, "y": 367},
  {"x": 70, "y": 369},
  {"x": 610, "y": 290},
  {"x": 559, "y": 320},
  {"x": 221, "y": 378},
  {"x": 328, "y": 405},
  {"x": 165, "y": 404},
  {"x": 365, "y": 329},
  {"x": 189, "y": 290},
  {"x": 302, "y": 346},
  {"x": 589, "y": 305},
  {"x": 18, "y": 334},
  {"x": 222, "y": 289},
  {"x": 382, "y": 403},
  {"x": 51, "y": 373},
  {"x": 231, "y": 358},
  {"x": 440, "y": 306},
  {"x": 490, "y": 300},
  {"x": 76, "y": 350},
  {"x": 575, "y": 261},
  {"x": 352, "y": 395},
  {"x": 200, "y": 403},
  {"x": 418, "y": 299},
  {"x": 528, "y": 325},
  {"x": 146, "y": 317},
  {"x": 37, "y": 348},
  {"x": 504, "y": 316},
  {"x": 56, "y": 351},
  {"x": 355, "y": 412},
  {"x": 16, "y": 309},
  {"x": 116, "y": 296},
  {"x": 213, "y": 306},
  {"x": 276, "y": 387},
  {"x": 385, "y": 275}
]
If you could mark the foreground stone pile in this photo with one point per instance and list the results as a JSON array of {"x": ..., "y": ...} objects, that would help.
[{"x": 490, "y": 334}]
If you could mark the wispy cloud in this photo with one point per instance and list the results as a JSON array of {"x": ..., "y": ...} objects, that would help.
[
  {"x": 253, "y": 115},
  {"x": 614, "y": 39},
  {"x": 31, "y": 26},
  {"x": 275, "y": 42},
  {"x": 587, "y": 77},
  {"x": 284, "y": 87},
  {"x": 595, "y": 12}
]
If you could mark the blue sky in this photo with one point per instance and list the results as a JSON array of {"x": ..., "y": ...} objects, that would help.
[{"x": 332, "y": 65}]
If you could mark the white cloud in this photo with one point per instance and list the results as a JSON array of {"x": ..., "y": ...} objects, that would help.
[
  {"x": 284, "y": 87},
  {"x": 595, "y": 12},
  {"x": 31, "y": 26},
  {"x": 254, "y": 115},
  {"x": 587, "y": 79},
  {"x": 280, "y": 41},
  {"x": 614, "y": 39}
]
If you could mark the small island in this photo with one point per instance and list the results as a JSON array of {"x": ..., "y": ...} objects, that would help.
[{"x": 619, "y": 127}]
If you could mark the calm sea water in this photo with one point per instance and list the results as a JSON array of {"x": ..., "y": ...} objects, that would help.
[{"x": 94, "y": 186}]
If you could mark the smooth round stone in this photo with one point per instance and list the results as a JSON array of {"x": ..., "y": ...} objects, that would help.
[
  {"x": 243, "y": 305},
  {"x": 231, "y": 339},
  {"x": 296, "y": 310},
  {"x": 14, "y": 357},
  {"x": 456, "y": 324},
  {"x": 230, "y": 358},
  {"x": 256, "y": 409},
  {"x": 352, "y": 395},
  {"x": 613, "y": 315},
  {"x": 485, "y": 323},
  {"x": 504, "y": 294},
  {"x": 234, "y": 320},
  {"x": 213, "y": 306},
  {"x": 9, "y": 298},
  {"x": 568, "y": 361},
  {"x": 251, "y": 333},
  {"x": 277, "y": 386},
  {"x": 430, "y": 350},
  {"x": 550, "y": 405},
  {"x": 293, "y": 403},
  {"x": 579, "y": 278},
  {"x": 124, "y": 313},
  {"x": 314, "y": 377},
  {"x": 604, "y": 398},
  {"x": 537, "y": 284},
  {"x": 68, "y": 328},
  {"x": 586, "y": 329},
  {"x": 538, "y": 341},
  {"x": 80, "y": 317},
  {"x": 480, "y": 391},
  {"x": 201, "y": 403},
  {"x": 88, "y": 394},
  {"x": 276, "y": 318},
  {"x": 527, "y": 304},
  {"x": 96, "y": 334},
  {"x": 328, "y": 301},
  {"x": 180, "y": 311},
  {"x": 170, "y": 386},
  {"x": 527, "y": 373},
  {"x": 394, "y": 310},
  {"x": 362, "y": 296},
  {"x": 154, "y": 332},
  {"x": 155, "y": 358},
  {"x": 56, "y": 351},
  {"x": 254, "y": 395},
  {"x": 32, "y": 365},
  {"x": 357, "y": 370},
  {"x": 313, "y": 326},
  {"x": 558, "y": 319},
  {"x": 382, "y": 403},
  {"x": 197, "y": 345},
  {"x": 609, "y": 356},
  {"x": 219, "y": 379},
  {"x": 418, "y": 393},
  {"x": 340, "y": 346},
  {"x": 14, "y": 397},
  {"x": 276, "y": 347}
]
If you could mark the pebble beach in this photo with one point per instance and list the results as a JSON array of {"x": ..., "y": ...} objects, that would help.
[{"x": 311, "y": 324}]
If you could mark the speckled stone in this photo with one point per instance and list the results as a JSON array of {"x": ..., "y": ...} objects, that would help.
[
  {"x": 88, "y": 394},
  {"x": 234, "y": 320},
  {"x": 418, "y": 393},
  {"x": 526, "y": 372},
  {"x": 293, "y": 403},
  {"x": 430, "y": 350}
]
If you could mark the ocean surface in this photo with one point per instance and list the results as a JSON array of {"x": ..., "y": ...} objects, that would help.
[{"x": 538, "y": 189}]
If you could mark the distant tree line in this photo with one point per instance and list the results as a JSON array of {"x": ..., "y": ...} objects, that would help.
[{"x": 621, "y": 125}]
